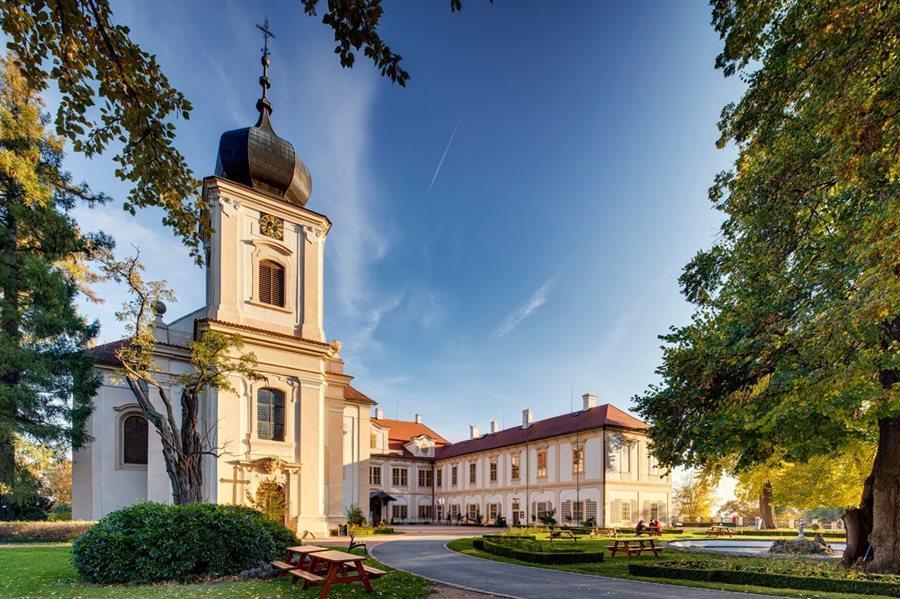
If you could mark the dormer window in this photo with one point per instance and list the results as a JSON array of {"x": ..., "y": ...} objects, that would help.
[{"x": 271, "y": 283}]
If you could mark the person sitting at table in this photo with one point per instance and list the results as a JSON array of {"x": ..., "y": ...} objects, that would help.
[
  {"x": 655, "y": 526},
  {"x": 640, "y": 528}
]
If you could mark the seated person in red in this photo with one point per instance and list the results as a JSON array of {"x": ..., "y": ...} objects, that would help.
[{"x": 655, "y": 526}]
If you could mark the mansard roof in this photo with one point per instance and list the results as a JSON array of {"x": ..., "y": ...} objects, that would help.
[{"x": 606, "y": 415}]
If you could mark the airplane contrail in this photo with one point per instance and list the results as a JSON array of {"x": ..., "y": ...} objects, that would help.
[{"x": 447, "y": 149}]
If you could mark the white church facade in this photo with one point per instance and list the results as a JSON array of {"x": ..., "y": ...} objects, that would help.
[{"x": 302, "y": 426}]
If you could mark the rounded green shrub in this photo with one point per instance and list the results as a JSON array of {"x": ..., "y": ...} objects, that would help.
[{"x": 152, "y": 541}]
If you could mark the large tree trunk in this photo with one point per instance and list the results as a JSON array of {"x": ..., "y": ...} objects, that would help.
[
  {"x": 885, "y": 535},
  {"x": 766, "y": 514},
  {"x": 858, "y": 524}
]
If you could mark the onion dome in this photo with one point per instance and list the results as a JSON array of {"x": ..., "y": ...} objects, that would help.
[{"x": 256, "y": 157}]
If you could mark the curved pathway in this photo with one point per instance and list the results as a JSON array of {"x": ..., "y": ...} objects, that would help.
[{"x": 431, "y": 559}]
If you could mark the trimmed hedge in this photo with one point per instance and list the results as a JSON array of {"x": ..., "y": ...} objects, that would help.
[
  {"x": 538, "y": 557},
  {"x": 152, "y": 541},
  {"x": 43, "y": 531},
  {"x": 764, "y": 579},
  {"x": 514, "y": 537}
]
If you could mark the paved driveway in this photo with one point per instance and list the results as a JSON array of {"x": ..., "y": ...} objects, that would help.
[{"x": 431, "y": 559}]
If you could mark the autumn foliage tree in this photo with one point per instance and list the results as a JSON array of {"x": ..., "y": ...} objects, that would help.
[
  {"x": 794, "y": 347},
  {"x": 46, "y": 379}
]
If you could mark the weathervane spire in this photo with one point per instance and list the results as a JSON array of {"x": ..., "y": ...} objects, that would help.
[{"x": 263, "y": 105}]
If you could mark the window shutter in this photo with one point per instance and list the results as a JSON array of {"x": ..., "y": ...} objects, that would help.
[
  {"x": 265, "y": 283},
  {"x": 590, "y": 507},
  {"x": 278, "y": 286},
  {"x": 614, "y": 510},
  {"x": 634, "y": 509},
  {"x": 271, "y": 283},
  {"x": 567, "y": 509},
  {"x": 534, "y": 509},
  {"x": 645, "y": 510}
]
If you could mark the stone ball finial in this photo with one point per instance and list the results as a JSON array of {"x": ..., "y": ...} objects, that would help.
[
  {"x": 159, "y": 308},
  {"x": 336, "y": 346}
]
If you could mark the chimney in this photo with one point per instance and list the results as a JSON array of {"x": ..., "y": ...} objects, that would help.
[
  {"x": 418, "y": 419},
  {"x": 495, "y": 426},
  {"x": 527, "y": 417},
  {"x": 590, "y": 401},
  {"x": 473, "y": 431},
  {"x": 379, "y": 413}
]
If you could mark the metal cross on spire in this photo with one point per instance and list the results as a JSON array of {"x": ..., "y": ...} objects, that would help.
[{"x": 263, "y": 105}]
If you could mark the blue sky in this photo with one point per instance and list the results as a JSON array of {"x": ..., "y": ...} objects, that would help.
[{"x": 508, "y": 229}]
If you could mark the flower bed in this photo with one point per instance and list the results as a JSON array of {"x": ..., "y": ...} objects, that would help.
[
  {"x": 537, "y": 552},
  {"x": 800, "y": 575},
  {"x": 43, "y": 532}
]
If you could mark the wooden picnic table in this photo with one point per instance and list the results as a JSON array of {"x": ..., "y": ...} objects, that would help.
[
  {"x": 295, "y": 557},
  {"x": 634, "y": 545},
  {"x": 338, "y": 568},
  {"x": 719, "y": 531},
  {"x": 560, "y": 534}
]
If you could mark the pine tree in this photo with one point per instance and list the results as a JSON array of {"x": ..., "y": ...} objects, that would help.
[{"x": 46, "y": 380}]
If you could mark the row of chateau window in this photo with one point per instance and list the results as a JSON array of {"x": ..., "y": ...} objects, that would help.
[
  {"x": 572, "y": 510},
  {"x": 399, "y": 475},
  {"x": 269, "y": 426}
]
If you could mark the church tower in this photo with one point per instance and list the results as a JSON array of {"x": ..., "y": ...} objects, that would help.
[{"x": 300, "y": 426}]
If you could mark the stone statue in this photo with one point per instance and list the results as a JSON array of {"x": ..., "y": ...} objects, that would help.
[{"x": 801, "y": 530}]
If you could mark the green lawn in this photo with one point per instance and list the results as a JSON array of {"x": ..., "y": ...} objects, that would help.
[
  {"x": 617, "y": 567},
  {"x": 36, "y": 571}
]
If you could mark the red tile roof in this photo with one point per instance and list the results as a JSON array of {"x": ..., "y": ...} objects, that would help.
[
  {"x": 597, "y": 417},
  {"x": 351, "y": 392},
  {"x": 401, "y": 432}
]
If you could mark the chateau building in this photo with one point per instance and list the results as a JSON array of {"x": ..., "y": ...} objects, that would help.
[
  {"x": 401, "y": 470},
  {"x": 303, "y": 427},
  {"x": 592, "y": 466}
]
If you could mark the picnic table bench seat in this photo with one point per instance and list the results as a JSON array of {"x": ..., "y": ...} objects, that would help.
[
  {"x": 373, "y": 572},
  {"x": 306, "y": 576},
  {"x": 282, "y": 567}
]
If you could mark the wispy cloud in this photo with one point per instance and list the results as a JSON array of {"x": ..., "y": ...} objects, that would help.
[
  {"x": 440, "y": 164},
  {"x": 537, "y": 299},
  {"x": 623, "y": 324}
]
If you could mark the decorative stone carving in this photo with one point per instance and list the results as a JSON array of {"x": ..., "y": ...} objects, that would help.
[
  {"x": 229, "y": 206},
  {"x": 313, "y": 234}
]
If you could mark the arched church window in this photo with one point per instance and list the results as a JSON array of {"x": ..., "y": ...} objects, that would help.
[
  {"x": 134, "y": 440},
  {"x": 271, "y": 283},
  {"x": 270, "y": 414}
]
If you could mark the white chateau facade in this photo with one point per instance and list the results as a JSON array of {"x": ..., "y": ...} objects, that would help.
[
  {"x": 304, "y": 427},
  {"x": 589, "y": 467}
]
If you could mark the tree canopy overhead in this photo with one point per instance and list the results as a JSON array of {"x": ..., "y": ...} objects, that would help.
[{"x": 794, "y": 347}]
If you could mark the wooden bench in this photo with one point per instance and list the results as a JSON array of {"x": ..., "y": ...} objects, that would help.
[
  {"x": 634, "y": 546},
  {"x": 307, "y": 577},
  {"x": 560, "y": 534},
  {"x": 354, "y": 544}
]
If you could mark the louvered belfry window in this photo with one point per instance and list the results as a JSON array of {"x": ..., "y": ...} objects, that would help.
[
  {"x": 270, "y": 414},
  {"x": 271, "y": 283}
]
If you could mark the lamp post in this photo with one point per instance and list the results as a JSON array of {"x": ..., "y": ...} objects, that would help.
[{"x": 441, "y": 503}]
